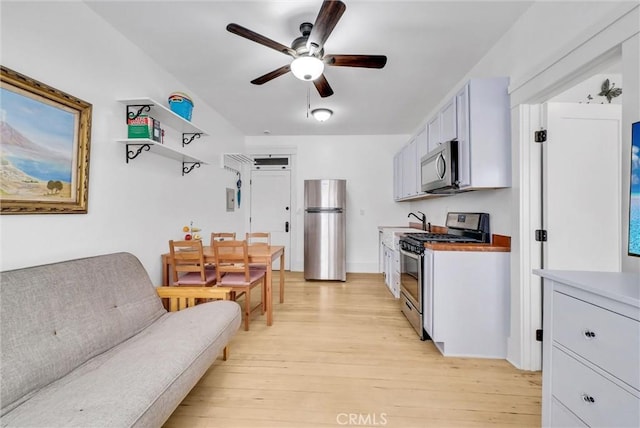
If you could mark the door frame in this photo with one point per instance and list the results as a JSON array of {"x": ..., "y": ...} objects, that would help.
[{"x": 617, "y": 36}]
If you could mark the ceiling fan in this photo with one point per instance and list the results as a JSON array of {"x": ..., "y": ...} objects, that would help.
[{"x": 307, "y": 50}]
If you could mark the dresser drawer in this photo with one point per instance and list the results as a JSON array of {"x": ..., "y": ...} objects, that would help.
[
  {"x": 594, "y": 399},
  {"x": 609, "y": 340},
  {"x": 562, "y": 417}
]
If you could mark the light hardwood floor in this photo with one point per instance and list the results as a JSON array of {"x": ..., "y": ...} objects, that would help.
[{"x": 342, "y": 354}]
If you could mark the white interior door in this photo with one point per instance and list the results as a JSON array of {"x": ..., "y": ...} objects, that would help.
[
  {"x": 271, "y": 207},
  {"x": 581, "y": 180}
]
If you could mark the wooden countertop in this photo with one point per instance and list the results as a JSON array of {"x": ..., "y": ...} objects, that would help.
[{"x": 499, "y": 244}]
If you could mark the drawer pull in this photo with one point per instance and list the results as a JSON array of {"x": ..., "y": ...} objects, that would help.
[
  {"x": 588, "y": 399},
  {"x": 589, "y": 334}
]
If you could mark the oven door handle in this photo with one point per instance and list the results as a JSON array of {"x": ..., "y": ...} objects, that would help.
[{"x": 408, "y": 254}]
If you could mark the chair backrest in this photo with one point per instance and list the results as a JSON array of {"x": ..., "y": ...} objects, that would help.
[
  {"x": 187, "y": 256},
  {"x": 222, "y": 236},
  {"x": 231, "y": 256},
  {"x": 258, "y": 238}
]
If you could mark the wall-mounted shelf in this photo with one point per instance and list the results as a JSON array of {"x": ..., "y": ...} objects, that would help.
[
  {"x": 135, "y": 146},
  {"x": 233, "y": 161},
  {"x": 137, "y": 106}
]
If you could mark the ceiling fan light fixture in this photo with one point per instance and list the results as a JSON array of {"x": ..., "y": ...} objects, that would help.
[
  {"x": 321, "y": 114},
  {"x": 307, "y": 68}
]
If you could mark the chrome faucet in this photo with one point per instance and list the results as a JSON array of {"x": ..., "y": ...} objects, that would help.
[{"x": 423, "y": 219}]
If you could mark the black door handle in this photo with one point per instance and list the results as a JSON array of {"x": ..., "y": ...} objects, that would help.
[{"x": 286, "y": 226}]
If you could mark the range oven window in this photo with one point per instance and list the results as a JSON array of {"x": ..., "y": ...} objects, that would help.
[{"x": 410, "y": 278}]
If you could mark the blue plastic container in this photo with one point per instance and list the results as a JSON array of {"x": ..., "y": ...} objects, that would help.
[{"x": 181, "y": 105}]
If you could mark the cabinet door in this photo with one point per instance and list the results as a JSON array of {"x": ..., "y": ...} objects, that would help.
[
  {"x": 397, "y": 176},
  {"x": 462, "y": 130},
  {"x": 448, "y": 124},
  {"x": 409, "y": 182},
  {"x": 433, "y": 132},
  {"x": 387, "y": 265},
  {"x": 422, "y": 148},
  {"x": 427, "y": 294}
]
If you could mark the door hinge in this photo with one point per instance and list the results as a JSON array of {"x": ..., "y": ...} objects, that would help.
[
  {"x": 541, "y": 235},
  {"x": 540, "y": 136},
  {"x": 539, "y": 335}
]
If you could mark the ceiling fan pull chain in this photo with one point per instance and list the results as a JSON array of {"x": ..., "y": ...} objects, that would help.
[{"x": 308, "y": 100}]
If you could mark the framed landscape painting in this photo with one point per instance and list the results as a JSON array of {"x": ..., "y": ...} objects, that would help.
[{"x": 44, "y": 155}]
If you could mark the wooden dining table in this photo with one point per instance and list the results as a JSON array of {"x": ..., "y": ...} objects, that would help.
[{"x": 261, "y": 254}]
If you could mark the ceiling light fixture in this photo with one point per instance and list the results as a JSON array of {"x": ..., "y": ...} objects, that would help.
[
  {"x": 321, "y": 114},
  {"x": 307, "y": 68}
]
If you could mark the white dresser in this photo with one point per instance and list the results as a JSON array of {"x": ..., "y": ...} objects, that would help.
[{"x": 591, "y": 349}]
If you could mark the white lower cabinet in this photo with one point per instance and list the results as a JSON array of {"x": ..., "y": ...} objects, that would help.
[
  {"x": 591, "y": 349},
  {"x": 466, "y": 302},
  {"x": 394, "y": 286},
  {"x": 391, "y": 270}
]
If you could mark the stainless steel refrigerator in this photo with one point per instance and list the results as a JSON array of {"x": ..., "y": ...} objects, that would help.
[{"x": 324, "y": 229}]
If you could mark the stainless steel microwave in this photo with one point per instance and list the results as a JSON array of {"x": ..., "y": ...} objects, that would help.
[{"x": 439, "y": 169}]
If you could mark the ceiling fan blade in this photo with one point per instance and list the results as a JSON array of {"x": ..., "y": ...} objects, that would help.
[
  {"x": 328, "y": 17},
  {"x": 365, "y": 61},
  {"x": 323, "y": 87},
  {"x": 272, "y": 75},
  {"x": 259, "y": 38}
]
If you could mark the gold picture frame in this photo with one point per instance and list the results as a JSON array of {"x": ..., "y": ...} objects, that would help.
[{"x": 44, "y": 155}]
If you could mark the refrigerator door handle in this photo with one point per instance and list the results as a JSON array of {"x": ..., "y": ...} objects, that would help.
[
  {"x": 286, "y": 226},
  {"x": 318, "y": 210}
]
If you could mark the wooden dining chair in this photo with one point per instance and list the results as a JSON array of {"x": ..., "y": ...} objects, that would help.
[
  {"x": 187, "y": 259},
  {"x": 258, "y": 238},
  {"x": 262, "y": 238},
  {"x": 233, "y": 271},
  {"x": 222, "y": 236}
]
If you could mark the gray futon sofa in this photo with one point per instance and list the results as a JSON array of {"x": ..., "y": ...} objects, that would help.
[{"x": 88, "y": 343}]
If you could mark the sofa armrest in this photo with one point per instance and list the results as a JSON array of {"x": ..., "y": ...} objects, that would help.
[{"x": 184, "y": 297}]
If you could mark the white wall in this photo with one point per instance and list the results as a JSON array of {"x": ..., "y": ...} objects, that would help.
[
  {"x": 366, "y": 162},
  {"x": 135, "y": 207}
]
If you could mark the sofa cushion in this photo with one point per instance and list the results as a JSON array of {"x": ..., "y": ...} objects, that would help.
[
  {"x": 56, "y": 317},
  {"x": 132, "y": 384}
]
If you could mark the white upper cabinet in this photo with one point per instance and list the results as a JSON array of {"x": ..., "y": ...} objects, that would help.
[
  {"x": 433, "y": 133},
  {"x": 422, "y": 148},
  {"x": 397, "y": 176},
  {"x": 448, "y": 121},
  {"x": 409, "y": 170},
  {"x": 484, "y": 134},
  {"x": 478, "y": 118}
]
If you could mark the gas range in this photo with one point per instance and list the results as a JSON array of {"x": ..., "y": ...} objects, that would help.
[{"x": 462, "y": 228}]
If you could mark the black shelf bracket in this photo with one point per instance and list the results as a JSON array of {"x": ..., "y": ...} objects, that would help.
[
  {"x": 134, "y": 154},
  {"x": 187, "y": 169},
  {"x": 186, "y": 140},
  {"x": 132, "y": 113}
]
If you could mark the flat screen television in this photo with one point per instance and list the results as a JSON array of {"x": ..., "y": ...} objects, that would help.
[{"x": 634, "y": 194}]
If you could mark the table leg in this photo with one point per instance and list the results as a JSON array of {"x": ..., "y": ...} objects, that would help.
[
  {"x": 269, "y": 302},
  {"x": 282, "y": 277}
]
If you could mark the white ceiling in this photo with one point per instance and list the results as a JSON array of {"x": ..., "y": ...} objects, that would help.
[{"x": 430, "y": 46}]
